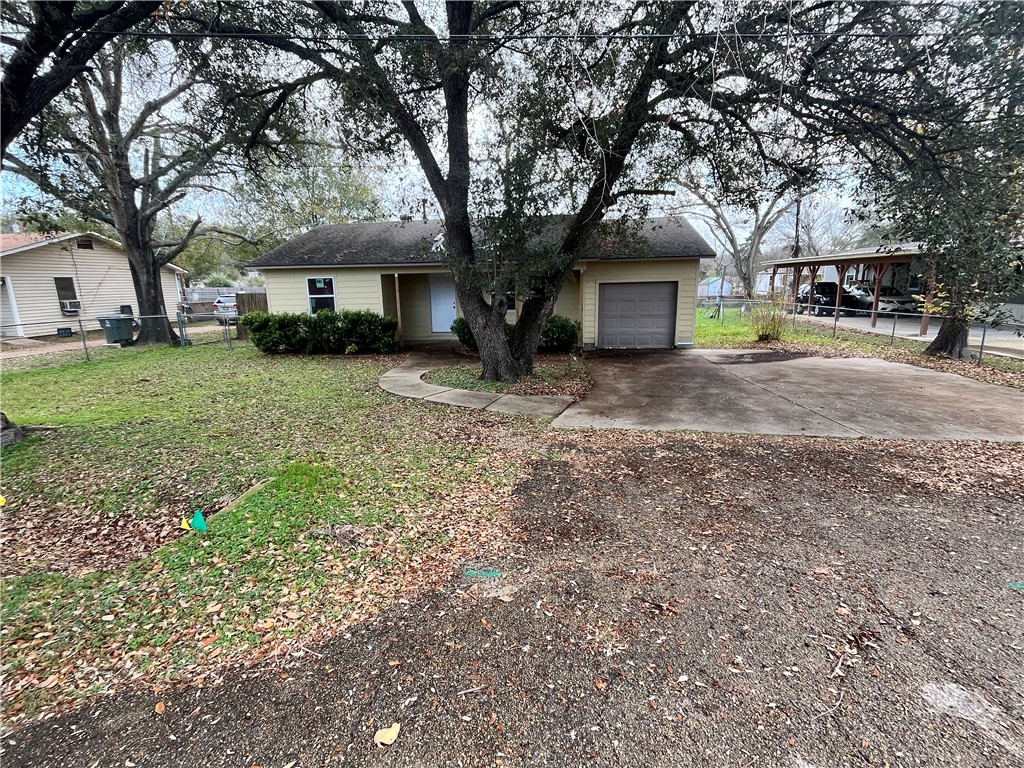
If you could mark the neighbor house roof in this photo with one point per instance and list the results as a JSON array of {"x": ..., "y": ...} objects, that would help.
[
  {"x": 394, "y": 243},
  {"x": 17, "y": 242}
]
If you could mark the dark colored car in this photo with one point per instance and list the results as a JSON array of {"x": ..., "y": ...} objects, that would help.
[
  {"x": 824, "y": 300},
  {"x": 890, "y": 300}
]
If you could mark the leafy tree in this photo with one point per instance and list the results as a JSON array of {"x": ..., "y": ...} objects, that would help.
[
  {"x": 134, "y": 136},
  {"x": 291, "y": 195},
  {"x": 963, "y": 199},
  {"x": 50, "y": 44},
  {"x": 588, "y": 107}
]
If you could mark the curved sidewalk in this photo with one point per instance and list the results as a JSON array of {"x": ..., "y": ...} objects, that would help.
[{"x": 407, "y": 381}]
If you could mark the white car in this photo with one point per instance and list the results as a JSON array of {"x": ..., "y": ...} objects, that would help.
[{"x": 225, "y": 309}]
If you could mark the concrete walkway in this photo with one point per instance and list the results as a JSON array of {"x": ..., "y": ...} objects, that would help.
[{"x": 407, "y": 381}]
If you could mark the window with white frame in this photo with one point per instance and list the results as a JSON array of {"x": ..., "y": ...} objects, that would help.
[{"x": 321, "y": 293}]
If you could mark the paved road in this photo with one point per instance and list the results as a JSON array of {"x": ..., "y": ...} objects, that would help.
[{"x": 764, "y": 392}]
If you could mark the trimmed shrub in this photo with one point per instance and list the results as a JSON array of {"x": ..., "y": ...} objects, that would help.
[
  {"x": 461, "y": 329},
  {"x": 326, "y": 332},
  {"x": 560, "y": 335}
]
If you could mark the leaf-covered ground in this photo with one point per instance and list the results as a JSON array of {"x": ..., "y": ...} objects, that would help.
[
  {"x": 553, "y": 375},
  {"x": 668, "y": 600},
  {"x": 369, "y": 497}
]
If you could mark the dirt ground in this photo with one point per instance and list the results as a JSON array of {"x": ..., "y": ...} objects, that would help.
[{"x": 674, "y": 600}]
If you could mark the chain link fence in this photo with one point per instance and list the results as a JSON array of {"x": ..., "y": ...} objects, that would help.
[
  {"x": 1001, "y": 338},
  {"x": 29, "y": 345}
]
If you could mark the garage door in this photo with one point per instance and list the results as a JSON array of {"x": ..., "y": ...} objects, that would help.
[{"x": 636, "y": 315}]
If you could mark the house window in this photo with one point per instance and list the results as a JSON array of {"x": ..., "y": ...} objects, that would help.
[
  {"x": 65, "y": 288},
  {"x": 84, "y": 245},
  {"x": 321, "y": 293}
]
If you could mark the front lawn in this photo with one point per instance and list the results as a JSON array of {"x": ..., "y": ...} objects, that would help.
[
  {"x": 733, "y": 331},
  {"x": 366, "y": 497}
]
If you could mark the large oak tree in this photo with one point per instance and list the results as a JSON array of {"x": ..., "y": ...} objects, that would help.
[{"x": 514, "y": 110}]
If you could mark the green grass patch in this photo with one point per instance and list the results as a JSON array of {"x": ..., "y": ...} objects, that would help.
[{"x": 146, "y": 437}]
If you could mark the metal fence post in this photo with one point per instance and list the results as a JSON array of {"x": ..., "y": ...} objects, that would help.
[
  {"x": 227, "y": 333},
  {"x": 721, "y": 311},
  {"x": 81, "y": 332},
  {"x": 892, "y": 336},
  {"x": 981, "y": 348},
  {"x": 835, "y": 321}
]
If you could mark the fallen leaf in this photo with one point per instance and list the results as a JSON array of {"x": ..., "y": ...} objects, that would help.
[
  {"x": 159, "y": 708},
  {"x": 292, "y": 615},
  {"x": 600, "y": 684},
  {"x": 208, "y": 641},
  {"x": 387, "y": 736}
]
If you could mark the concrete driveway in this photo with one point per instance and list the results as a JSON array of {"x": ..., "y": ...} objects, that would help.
[{"x": 764, "y": 392}]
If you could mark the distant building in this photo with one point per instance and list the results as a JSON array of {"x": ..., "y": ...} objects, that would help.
[{"x": 713, "y": 288}]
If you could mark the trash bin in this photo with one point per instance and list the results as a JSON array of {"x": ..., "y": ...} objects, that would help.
[{"x": 117, "y": 328}]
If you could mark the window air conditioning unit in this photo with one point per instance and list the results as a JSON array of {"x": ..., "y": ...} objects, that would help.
[{"x": 70, "y": 306}]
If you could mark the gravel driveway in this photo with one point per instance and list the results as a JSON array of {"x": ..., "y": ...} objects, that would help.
[{"x": 673, "y": 601}]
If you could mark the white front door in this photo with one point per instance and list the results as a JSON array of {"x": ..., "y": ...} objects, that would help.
[{"x": 442, "y": 303}]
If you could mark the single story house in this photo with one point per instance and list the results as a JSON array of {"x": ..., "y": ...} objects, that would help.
[
  {"x": 53, "y": 281},
  {"x": 633, "y": 291},
  {"x": 713, "y": 287}
]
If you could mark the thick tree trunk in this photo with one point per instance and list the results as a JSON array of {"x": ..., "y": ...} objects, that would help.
[
  {"x": 951, "y": 340},
  {"x": 149, "y": 293},
  {"x": 488, "y": 326},
  {"x": 533, "y": 316}
]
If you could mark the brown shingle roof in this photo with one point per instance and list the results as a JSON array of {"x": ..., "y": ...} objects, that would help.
[
  {"x": 10, "y": 241},
  {"x": 389, "y": 243}
]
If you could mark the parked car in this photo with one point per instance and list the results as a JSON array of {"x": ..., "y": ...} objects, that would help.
[
  {"x": 890, "y": 300},
  {"x": 824, "y": 300},
  {"x": 225, "y": 309}
]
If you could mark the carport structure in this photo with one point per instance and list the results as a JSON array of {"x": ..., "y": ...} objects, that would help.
[{"x": 876, "y": 260}]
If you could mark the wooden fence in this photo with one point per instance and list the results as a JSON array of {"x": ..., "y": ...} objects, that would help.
[{"x": 249, "y": 302}]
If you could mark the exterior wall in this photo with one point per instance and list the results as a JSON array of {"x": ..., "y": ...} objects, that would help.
[
  {"x": 356, "y": 288},
  {"x": 415, "y": 297},
  {"x": 568, "y": 303},
  {"x": 172, "y": 293},
  {"x": 371, "y": 288},
  {"x": 389, "y": 301},
  {"x": 103, "y": 282},
  {"x": 685, "y": 272}
]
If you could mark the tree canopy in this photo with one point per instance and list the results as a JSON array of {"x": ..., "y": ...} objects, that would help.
[{"x": 518, "y": 110}]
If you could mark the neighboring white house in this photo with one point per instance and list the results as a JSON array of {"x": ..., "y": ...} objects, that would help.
[
  {"x": 713, "y": 287},
  {"x": 53, "y": 281}
]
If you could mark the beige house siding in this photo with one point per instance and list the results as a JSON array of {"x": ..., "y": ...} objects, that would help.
[
  {"x": 373, "y": 288},
  {"x": 568, "y": 302},
  {"x": 102, "y": 280},
  {"x": 681, "y": 271},
  {"x": 415, "y": 298},
  {"x": 353, "y": 288}
]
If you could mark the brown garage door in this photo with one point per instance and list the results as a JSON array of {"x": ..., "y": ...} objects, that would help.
[{"x": 636, "y": 315}]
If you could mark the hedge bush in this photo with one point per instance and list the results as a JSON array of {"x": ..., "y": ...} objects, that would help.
[
  {"x": 326, "y": 332},
  {"x": 559, "y": 335}
]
